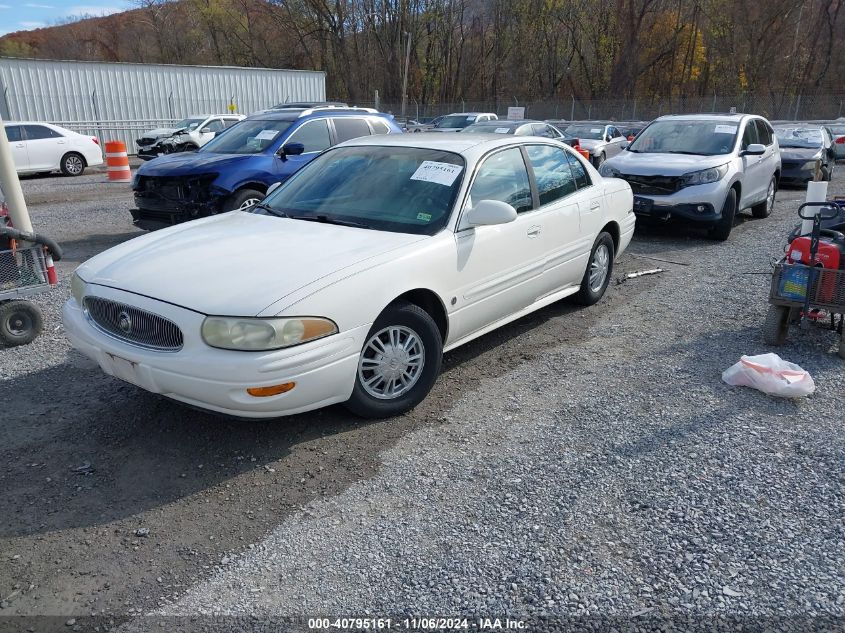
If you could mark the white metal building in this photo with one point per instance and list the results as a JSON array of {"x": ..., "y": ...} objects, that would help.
[{"x": 120, "y": 100}]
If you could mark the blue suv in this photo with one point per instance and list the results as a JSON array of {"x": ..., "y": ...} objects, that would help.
[{"x": 235, "y": 169}]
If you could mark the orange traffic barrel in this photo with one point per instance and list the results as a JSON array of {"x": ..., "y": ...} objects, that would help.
[{"x": 117, "y": 162}]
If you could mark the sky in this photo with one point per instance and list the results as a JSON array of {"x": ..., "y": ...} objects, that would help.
[{"x": 21, "y": 15}]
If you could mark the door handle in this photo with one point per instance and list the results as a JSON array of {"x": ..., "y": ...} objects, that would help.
[
  {"x": 19, "y": 145},
  {"x": 595, "y": 204},
  {"x": 534, "y": 231}
]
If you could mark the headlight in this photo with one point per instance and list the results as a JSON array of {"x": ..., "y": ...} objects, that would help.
[
  {"x": 705, "y": 175},
  {"x": 608, "y": 172},
  {"x": 810, "y": 164},
  {"x": 77, "y": 288},
  {"x": 264, "y": 334}
]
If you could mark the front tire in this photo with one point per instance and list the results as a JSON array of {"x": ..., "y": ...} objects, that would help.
[
  {"x": 399, "y": 363},
  {"x": 72, "y": 164},
  {"x": 722, "y": 230},
  {"x": 599, "y": 269},
  {"x": 599, "y": 160},
  {"x": 20, "y": 323},
  {"x": 243, "y": 199},
  {"x": 765, "y": 208}
]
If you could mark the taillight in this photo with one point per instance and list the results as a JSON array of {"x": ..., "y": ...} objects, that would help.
[
  {"x": 840, "y": 140},
  {"x": 95, "y": 139}
]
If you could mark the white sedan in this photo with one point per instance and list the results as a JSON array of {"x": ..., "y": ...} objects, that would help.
[
  {"x": 352, "y": 278},
  {"x": 43, "y": 147}
]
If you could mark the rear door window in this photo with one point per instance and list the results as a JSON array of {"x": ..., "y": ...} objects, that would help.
[
  {"x": 350, "y": 127},
  {"x": 379, "y": 127},
  {"x": 314, "y": 135},
  {"x": 552, "y": 172},
  {"x": 582, "y": 178},
  {"x": 36, "y": 132}
]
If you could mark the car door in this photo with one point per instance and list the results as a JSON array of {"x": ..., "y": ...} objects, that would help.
[
  {"x": 498, "y": 268},
  {"x": 590, "y": 202},
  {"x": 771, "y": 158},
  {"x": 753, "y": 168},
  {"x": 213, "y": 126},
  {"x": 19, "y": 154},
  {"x": 314, "y": 136},
  {"x": 614, "y": 146},
  {"x": 44, "y": 146},
  {"x": 561, "y": 218}
]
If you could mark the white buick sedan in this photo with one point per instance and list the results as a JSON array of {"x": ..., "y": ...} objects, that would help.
[{"x": 350, "y": 280}]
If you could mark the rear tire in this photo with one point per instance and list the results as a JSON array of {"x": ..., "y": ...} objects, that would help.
[
  {"x": 72, "y": 164},
  {"x": 722, "y": 229},
  {"x": 776, "y": 325},
  {"x": 599, "y": 270},
  {"x": 402, "y": 355},
  {"x": 20, "y": 322},
  {"x": 243, "y": 199},
  {"x": 765, "y": 208}
]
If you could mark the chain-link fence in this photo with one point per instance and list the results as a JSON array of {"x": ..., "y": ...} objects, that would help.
[{"x": 773, "y": 107}]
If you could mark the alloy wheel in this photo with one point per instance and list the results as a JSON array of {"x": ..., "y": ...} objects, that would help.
[
  {"x": 246, "y": 204},
  {"x": 74, "y": 165}
]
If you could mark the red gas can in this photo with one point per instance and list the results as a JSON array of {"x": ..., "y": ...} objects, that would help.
[{"x": 830, "y": 255}]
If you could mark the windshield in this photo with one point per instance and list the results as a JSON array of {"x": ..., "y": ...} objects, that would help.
[
  {"x": 700, "y": 137},
  {"x": 398, "y": 189},
  {"x": 246, "y": 137},
  {"x": 489, "y": 128},
  {"x": 457, "y": 120},
  {"x": 188, "y": 124},
  {"x": 804, "y": 137},
  {"x": 595, "y": 132}
]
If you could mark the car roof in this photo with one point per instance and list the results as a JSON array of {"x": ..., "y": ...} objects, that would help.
[
  {"x": 471, "y": 146},
  {"x": 505, "y": 122},
  {"x": 798, "y": 126},
  {"x": 707, "y": 116},
  {"x": 466, "y": 113},
  {"x": 296, "y": 114}
]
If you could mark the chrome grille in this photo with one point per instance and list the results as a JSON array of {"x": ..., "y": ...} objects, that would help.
[{"x": 134, "y": 325}]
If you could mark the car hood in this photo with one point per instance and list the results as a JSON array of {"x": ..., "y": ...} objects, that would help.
[
  {"x": 654, "y": 164},
  {"x": 190, "y": 163},
  {"x": 159, "y": 132},
  {"x": 239, "y": 263},
  {"x": 800, "y": 153}
]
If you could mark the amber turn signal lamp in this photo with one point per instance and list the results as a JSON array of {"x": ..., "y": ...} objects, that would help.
[{"x": 272, "y": 390}]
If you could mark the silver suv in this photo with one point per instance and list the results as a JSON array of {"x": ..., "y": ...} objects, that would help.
[{"x": 702, "y": 169}]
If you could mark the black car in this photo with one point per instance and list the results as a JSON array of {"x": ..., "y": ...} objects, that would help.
[{"x": 801, "y": 148}]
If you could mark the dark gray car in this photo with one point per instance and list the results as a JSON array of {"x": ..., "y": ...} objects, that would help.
[{"x": 602, "y": 140}]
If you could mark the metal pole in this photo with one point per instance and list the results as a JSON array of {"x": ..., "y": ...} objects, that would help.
[
  {"x": 572, "y": 110},
  {"x": 375, "y": 100},
  {"x": 839, "y": 116},
  {"x": 797, "y": 107},
  {"x": 170, "y": 104},
  {"x": 714, "y": 102},
  {"x": 405, "y": 79},
  {"x": 634, "y": 114},
  {"x": 12, "y": 186}
]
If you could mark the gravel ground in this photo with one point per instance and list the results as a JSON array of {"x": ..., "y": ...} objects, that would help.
[{"x": 582, "y": 467}]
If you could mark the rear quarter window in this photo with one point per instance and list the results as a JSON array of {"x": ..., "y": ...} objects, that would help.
[{"x": 349, "y": 127}]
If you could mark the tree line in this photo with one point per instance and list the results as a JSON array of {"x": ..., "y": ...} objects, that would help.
[{"x": 482, "y": 50}]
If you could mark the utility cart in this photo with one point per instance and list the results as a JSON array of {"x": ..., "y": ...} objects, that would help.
[
  {"x": 26, "y": 268},
  {"x": 808, "y": 283}
]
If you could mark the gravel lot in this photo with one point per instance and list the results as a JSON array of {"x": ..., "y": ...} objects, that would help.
[{"x": 579, "y": 466}]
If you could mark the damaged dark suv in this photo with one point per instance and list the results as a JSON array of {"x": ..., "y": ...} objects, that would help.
[{"x": 235, "y": 169}]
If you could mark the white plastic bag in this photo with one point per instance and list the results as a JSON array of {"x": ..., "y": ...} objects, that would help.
[{"x": 770, "y": 374}]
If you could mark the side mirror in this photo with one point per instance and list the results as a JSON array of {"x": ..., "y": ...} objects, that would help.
[
  {"x": 273, "y": 187},
  {"x": 624, "y": 144},
  {"x": 205, "y": 130},
  {"x": 489, "y": 213},
  {"x": 755, "y": 149},
  {"x": 607, "y": 139},
  {"x": 291, "y": 149}
]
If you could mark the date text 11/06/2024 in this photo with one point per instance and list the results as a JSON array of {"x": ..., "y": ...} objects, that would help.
[{"x": 417, "y": 624}]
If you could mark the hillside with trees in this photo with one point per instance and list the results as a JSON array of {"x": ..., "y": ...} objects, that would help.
[{"x": 483, "y": 50}]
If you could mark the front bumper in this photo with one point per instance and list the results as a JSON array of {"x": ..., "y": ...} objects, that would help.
[
  {"x": 214, "y": 379},
  {"x": 157, "y": 212},
  {"x": 796, "y": 174},
  {"x": 698, "y": 204}
]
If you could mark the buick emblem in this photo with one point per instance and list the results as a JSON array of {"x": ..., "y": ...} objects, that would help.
[{"x": 124, "y": 322}]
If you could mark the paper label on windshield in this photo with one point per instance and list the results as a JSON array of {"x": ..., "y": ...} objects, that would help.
[
  {"x": 266, "y": 135},
  {"x": 502, "y": 130},
  {"x": 725, "y": 129},
  {"x": 471, "y": 118},
  {"x": 424, "y": 217},
  {"x": 595, "y": 130},
  {"x": 441, "y": 173}
]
